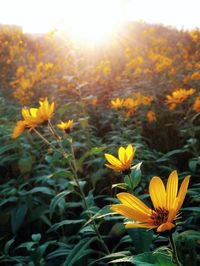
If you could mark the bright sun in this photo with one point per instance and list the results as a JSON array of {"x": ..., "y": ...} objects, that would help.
[
  {"x": 87, "y": 21},
  {"x": 93, "y": 21}
]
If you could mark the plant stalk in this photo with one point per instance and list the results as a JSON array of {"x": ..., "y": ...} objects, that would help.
[{"x": 174, "y": 251}]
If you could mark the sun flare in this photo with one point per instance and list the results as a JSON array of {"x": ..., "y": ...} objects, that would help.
[{"x": 93, "y": 21}]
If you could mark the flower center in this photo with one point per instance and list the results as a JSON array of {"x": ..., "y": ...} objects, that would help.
[{"x": 159, "y": 216}]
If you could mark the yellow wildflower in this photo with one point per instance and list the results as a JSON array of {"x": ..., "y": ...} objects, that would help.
[
  {"x": 178, "y": 96},
  {"x": 196, "y": 104},
  {"x": 33, "y": 117},
  {"x": 30, "y": 117},
  {"x": 66, "y": 126},
  {"x": 151, "y": 116},
  {"x": 166, "y": 202},
  {"x": 19, "y": 129},
  {"x": 46, "y": 110},
  {"x": 117, "y": 103},
  {"x": 195, "y": 76},
  {"x": 124, "y": 162}
]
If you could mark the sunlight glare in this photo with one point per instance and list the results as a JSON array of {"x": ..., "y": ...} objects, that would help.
[{"x": 93, "y": 21}]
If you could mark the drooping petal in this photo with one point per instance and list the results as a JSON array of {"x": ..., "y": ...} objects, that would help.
[
  {"x": 157, "y": 192},
  {"x": 171, "y": 189},
  {"x": 121, "y": 154},
  {"x": 129, "y": 212},
  {"x": 182, "y": 191},
  {"x": 112, "y": 160},
  {"x": 131, "y": 201},
  {"x": 165, "y": 227},
  {"x": 139, "y": 225},
  {"x": 19, "y": 129}
]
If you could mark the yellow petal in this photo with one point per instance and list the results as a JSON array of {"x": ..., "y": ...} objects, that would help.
[
  {"x": 139, "y": 225},
  {"x": 157, "y": 192},
  {"x": 112, "y": 160},
  {"x": 33, "y": 112},
  {"x": 130, "y": 213},
  {"x": 172, "y": 214},
  {"x": 121, "y": 154},
  {"x": 165, "y": 227},
  {"x": 115, "y": 168},
  {"x": 25, "y": 113},
  {"x": 171, "y": 190},
  {"x": 133, "y": 202},
  {"x": 19, "y": 129},
  {"x": 130, "y": 151},
  {"x": 182, "y": 191}
]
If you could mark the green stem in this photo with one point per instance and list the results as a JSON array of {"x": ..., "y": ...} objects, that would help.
[
  {"x": 43, "y": 138},
  {"x": 86, "y": 207},
  {"x": 174, "y": 251}
]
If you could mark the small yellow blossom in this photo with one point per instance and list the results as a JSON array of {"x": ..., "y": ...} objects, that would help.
[
  {"x": 196, "y": 104},
  {"x": 166, "y": 201},
  {"x": 66, "y": 126},
  {"x": 19, "y": 129},
  {"x": 124, "y": 160},
  {"x": 151, "y": 116},
  {"x": 178, "y": 96},
  {"x": 195, "y": 76},
  {"x": 117, "y": 103},
  {"x": 46, "y": 110},
  {"x": 30, "y": 117},
  {"x": 33, "y": 117}
]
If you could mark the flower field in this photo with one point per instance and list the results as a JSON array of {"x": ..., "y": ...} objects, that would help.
[{"x": 100, "y": 148}]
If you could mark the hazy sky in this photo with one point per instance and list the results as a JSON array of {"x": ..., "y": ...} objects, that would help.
[{"x": 42, "y": 15}]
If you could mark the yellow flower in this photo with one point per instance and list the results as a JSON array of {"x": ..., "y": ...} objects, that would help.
[
  {"x": 151, "y": 116},
  {"x": 167, "y": 203},
  {"x": 178, "y": 96},
  {"x": 30, "y": 117},
  {"x": 195, "y": 76},
  {"x": 117, "y": 103},
  {"x": 196, "y": 104},
  {"x": 45, "y": 111},
  {"x": 125, "y": 159},
  {"x": 19, "y": 129},
  {"x": 33, "y": 117},
  {"x": 66, "y": 126}
]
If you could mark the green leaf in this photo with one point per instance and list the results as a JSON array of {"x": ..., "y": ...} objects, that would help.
[
  {"x": 10, "y": 199},
  {"x": 136, "y": 175},
  {"x": 193, "y": 164},
  {"x": 120, "y": 185},
  {"x": 17, "y": 217},
  {"x": 78, "y": 252},
  {"x": 56, "y": 201},
  {"x": 152, "y": 259},
  {"x": 8, "y": 245},
  {"x": 56, "y": 226},
  {"x": 141, "y": 238},
  {"x": 25, "y": 165},
  {"x": 36, "y": 237},
  {"x": 95, "y": 150},
  {"x": 44, "y": 190},
  {"x": 193, "y": 209}
]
